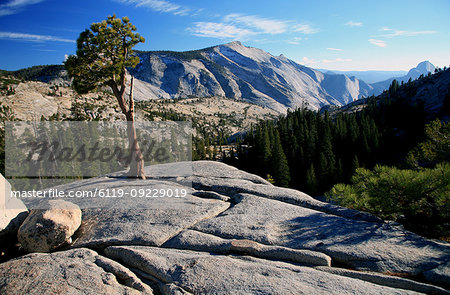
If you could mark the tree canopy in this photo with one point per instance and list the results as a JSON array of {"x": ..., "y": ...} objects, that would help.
[
  {"x": 419, "y": 199},
  {"x": 103, "y": 53}
]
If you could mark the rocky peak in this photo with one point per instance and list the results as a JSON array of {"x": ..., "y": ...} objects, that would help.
[
  {"x": 233, "y": 44},
  {"x": 425, "y": 67},
  {"x": 422, "y": 68},
  {"x": 236, "y": 71}
]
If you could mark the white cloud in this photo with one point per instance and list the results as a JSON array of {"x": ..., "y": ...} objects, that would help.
[
  {"x": 14, "y": 6},
  {"x": 45, "y": 50},
  {"x": 263, "y": 40},
  {"x": 263, "y": 25},
  {"x": 324, "y": 62},
  {"x": 307, "y": 61},
  {"x": 379, "y": 43},
  {"x": 305, "y": 29},
  {"x": 32, "y": 37},
  {"x": 354, "y": 24},
  {"x": 328, "y": 61},
  {"x": 182, "y": 11},
  {"x": 390, "y": 33},
  {"x": 239, "y": 26},
  {"x": 160, "y": 6},
  {"x": 334, "y": 49},
  {"x": 294, "y": 41},
  {"x": 219, "y": 30}
]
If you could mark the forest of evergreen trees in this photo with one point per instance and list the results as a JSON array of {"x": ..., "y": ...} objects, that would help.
[
  {"x": 390, "y": 159},
  {"x": 311, "y": 151}
]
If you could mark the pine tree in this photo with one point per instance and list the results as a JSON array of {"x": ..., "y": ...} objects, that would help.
[
  {"x": 311, "y": 181},
  {"x": 355, "y": 164},
  {"x": 103, "y": 53},
  {"x": 263, "y": 151},
  {"x": 339, "y": 171},
  {"x": 279, "y": 165},
  {"x": 394, "y": 87}
]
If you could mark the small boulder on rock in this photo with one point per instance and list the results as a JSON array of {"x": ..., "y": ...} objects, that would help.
[
  {"x": 46, "y": 229},
  {"x": 12, "y": 210}
]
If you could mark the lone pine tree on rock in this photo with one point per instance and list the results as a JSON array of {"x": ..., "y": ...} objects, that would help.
[{"x": 103, "y": 53}]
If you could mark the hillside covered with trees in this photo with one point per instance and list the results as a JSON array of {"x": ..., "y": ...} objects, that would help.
[
  {"x": 331, "y": 145},
  {"x": 397, "y": 137}
]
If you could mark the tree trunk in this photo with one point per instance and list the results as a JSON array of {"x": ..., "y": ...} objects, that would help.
[{"x": 137, "y": 159}]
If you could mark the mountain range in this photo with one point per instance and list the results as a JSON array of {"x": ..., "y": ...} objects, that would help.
[
  {"x": 370, "y": 76},
  {"x": 374, "y": 77},
  {"x": 238, "y": 72},
  {"x": 251, "y": 74}
]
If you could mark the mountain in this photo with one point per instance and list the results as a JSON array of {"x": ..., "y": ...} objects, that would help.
[
  {"x": 422, "y": 68},
  {"x": 432, "y": 91},
  {"x": 239, "y": 72},
  {"x": 368, "y": 76},
  {"x": 236, "y": 71}
]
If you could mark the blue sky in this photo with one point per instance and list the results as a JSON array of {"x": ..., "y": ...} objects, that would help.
[{"x": 339, "y": 35}]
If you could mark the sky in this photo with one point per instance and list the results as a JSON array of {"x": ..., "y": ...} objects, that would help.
[{"x": 325, "y": 34}]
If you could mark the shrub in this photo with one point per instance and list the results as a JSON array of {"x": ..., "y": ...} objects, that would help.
[
  {"x": 420, "y": 200},
  {"x": 434, "y": 149}
]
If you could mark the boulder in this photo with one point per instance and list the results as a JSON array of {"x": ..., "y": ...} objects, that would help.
[
  {"x": 352, "y": 243},
  {"x": 203, "y": 273},
  {"x": 104, "y": 227},
  {"x": 194, "y": 240},
  {"x": 46, "y": 229},
  {"x": 225, "y": 172},
  {"x": 232, "y": 187},
  {"x": 12, "y": 211},
  {"x": 385, "y": 280},
  {"x": 198, "y": 241},
  {"x": 78, "y": 271},
  {"x": 137, "y": 221},
  {"x": 280, "y": 253},
  {"x": 164, "y": 288}
]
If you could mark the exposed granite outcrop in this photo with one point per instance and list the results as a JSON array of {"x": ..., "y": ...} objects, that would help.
[{"x": 232, "y": 233}]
